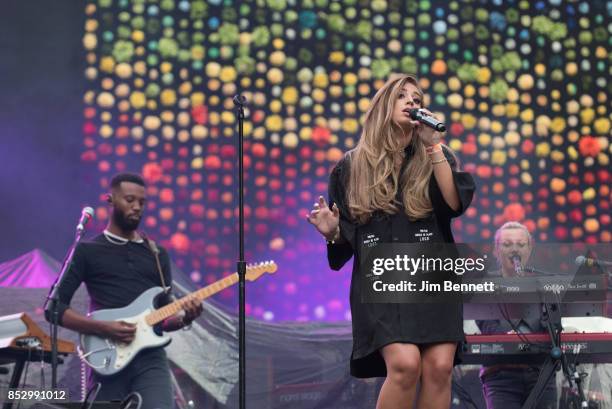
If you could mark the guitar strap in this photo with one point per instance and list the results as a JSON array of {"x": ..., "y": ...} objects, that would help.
[{"x": 155, "y": 251}]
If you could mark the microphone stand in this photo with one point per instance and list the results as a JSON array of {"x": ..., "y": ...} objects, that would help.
[
  {"x": 52, "y": 303},
  {"x": 240, "y": 102},
  {"x": 551, "y": 315}
]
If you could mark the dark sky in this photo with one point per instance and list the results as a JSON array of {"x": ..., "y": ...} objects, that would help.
[{"x": 42, "y": 85}]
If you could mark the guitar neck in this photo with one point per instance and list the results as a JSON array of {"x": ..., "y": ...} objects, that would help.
[{"x": 171, "y": 309}]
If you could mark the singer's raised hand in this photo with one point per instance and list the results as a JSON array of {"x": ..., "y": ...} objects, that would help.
[
  {"x": 324, "y": 219},
  {"x": 428, "y": 135}
]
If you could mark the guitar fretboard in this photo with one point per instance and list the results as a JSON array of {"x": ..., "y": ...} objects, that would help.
[{"x": 171, "y": 309}]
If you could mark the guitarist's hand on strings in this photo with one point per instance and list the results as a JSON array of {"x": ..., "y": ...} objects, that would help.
[
  {"x": 193, "y": 309},
  {"x": 120, "y": 331}
]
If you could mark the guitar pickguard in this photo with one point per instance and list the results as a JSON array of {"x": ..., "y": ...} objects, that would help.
[{"x": 107, "y": 356}]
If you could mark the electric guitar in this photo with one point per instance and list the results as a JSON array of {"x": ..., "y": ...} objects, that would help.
[{"x": 108, "y": 357}]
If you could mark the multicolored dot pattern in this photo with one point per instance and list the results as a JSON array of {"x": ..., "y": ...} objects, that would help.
[{"x": 522, "y": 85}]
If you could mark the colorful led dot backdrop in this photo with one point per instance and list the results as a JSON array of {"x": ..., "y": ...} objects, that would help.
[{"x": 522, "y": 85}]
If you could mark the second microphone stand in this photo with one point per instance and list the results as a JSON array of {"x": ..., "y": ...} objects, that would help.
[
  {"x": 551, "y": 316},
  {"x": 52, "y": 306},
  {"x": 240, "y": 103}
]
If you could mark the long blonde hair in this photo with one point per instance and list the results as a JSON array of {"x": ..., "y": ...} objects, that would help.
[{"x": 375, "y": 163}]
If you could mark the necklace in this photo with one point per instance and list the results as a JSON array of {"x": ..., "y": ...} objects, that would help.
[
  {"x": 118, "y": 240},
  {"x": 114, "y": 239}
]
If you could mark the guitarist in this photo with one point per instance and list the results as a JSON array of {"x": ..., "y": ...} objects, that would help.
[{"x": 116, "y": 267}]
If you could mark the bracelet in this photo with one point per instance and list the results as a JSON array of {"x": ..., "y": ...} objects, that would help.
[
  {"x": 435, "y": 162},
  {"x": 335, "y": 237},
  {"x": 434, "y": 148}
]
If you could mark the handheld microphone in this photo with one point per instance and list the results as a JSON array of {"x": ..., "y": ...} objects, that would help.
[
  {"x": 516, "y": 261},
  {"x": 418, "y": 115},
  {"x": 582, "y": 260},
  {"x": 86, "y": 215}
]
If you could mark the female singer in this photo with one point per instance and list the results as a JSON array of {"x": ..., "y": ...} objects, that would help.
[{"x": 398, "y": 185}]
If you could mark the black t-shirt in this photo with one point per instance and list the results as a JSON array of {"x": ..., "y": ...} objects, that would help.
[{"x": 114, "y": 274}]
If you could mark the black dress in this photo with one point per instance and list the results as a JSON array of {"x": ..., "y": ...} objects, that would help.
[{"x": 378, "y": 324}]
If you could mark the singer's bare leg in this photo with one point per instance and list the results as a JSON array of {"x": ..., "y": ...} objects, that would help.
[
  {"x": 403, "y": 362},
  {"x": 437, "y": 370}
]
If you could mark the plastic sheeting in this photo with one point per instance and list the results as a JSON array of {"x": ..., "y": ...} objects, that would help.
[
  {"x": 35, "y": 269},
  {"x": 289, "y": 365}
]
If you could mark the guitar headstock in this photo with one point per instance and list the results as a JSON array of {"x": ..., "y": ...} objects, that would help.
[{"x": 254, "y": 271}]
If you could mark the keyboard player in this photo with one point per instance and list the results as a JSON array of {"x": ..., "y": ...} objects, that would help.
[{"x": 507, "y": 386}]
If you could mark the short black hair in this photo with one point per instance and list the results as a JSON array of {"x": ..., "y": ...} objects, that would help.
[{"x": 126, "y": 177}]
